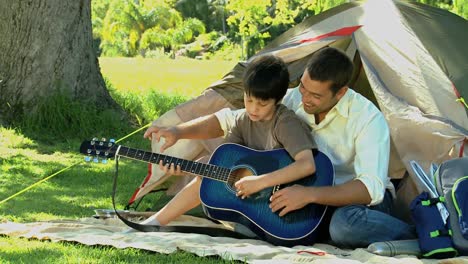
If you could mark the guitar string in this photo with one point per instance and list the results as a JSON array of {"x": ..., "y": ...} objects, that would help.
[{"x": 224, "y": 175}]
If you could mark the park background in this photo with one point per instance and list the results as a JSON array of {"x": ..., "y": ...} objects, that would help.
[{"x": 153, "y": 55}]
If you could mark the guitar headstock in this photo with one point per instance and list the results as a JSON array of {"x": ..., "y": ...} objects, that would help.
[{"x": 95, "y": 149}]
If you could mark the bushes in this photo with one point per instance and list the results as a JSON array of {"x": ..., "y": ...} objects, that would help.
[
  {"x": 58, "y": 117},
  {"x": 144, "y": 108}
]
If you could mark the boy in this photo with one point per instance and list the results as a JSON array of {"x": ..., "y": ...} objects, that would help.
[{"x": 263, "y": 124}]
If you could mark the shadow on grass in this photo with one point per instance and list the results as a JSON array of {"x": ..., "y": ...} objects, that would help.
[{"x": 32, "y": 253}]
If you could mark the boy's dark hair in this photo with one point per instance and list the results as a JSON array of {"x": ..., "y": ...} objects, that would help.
[
  {"x": 266, "y": 77},
  {"x": 330, "y": 64}
]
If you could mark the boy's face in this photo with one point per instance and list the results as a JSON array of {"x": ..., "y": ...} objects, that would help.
[{"x": 258, "y": 109}]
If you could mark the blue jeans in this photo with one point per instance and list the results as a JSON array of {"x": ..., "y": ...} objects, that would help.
[{"x": 356, "y": 226}]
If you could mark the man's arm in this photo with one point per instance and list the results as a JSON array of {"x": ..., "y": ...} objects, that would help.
[
  {"x": 372, "y": 157},
  {"x": 296, "y": 197},
  {"x": 370, "y": 165}
]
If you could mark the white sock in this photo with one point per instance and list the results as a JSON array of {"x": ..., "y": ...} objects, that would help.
[{"x": 150, "y": 221}]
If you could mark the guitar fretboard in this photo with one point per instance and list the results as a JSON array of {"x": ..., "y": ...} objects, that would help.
[{"x": 193, "y": 167}]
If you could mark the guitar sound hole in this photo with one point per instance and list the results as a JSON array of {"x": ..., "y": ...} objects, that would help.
[{"x": 238, "y": 174}]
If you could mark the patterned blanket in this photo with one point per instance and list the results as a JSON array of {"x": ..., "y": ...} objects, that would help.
[{"x": 112, "y": 232}]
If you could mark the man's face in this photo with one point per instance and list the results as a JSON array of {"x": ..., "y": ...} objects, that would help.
[{"x": 317, "y": 97}]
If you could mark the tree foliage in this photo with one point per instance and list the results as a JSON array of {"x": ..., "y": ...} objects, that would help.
[
  {"x": 130, "y": 28},
  {"x": 459, "y": 7},
  {"x": 134, "y": 27},
  {"x": 256, "y": 21}
]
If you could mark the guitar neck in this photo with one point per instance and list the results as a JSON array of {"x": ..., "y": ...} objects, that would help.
[{"x": 205, "y": 170}]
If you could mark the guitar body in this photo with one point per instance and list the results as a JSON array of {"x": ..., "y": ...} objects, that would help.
[{"x": 220, "y": 202}]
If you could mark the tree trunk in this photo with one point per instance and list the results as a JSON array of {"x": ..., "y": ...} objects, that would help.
[{"x": 47, "y": 45}]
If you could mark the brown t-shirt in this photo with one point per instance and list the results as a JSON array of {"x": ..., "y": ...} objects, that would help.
[{"x": 284, "y": 130}]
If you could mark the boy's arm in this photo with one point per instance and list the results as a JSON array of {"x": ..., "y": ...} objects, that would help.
[
  {"x": 303, "y": 166},
  {"x": 204, "y": 127}
]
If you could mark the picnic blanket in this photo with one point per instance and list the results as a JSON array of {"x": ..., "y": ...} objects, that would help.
[{"x": 111, "y": 232}]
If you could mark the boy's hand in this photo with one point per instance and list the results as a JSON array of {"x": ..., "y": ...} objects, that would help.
[
  {"x": 170, "y": 168},
  {"x": 248, "y": 185},
  {"x": 170, "y": 135}
]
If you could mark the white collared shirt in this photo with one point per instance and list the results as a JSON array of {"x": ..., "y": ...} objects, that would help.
[{"x": 354, "y": 135}]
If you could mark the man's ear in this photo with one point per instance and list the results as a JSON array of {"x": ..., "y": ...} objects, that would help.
[{"x": 341, "y": 92}]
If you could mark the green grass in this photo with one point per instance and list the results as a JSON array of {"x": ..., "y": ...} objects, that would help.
[
  {"x": 185, "y": 77},
  {"x": 42, "y": 145},
  {"x": 33, "y": 251},
  {"x": 147, "y": 88}
]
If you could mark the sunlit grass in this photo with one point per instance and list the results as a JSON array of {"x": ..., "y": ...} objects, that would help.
[
  {"x": 11, "y": 139},
  {"x": 147, "y": 88},
  {"x": 185, "y": 77}
]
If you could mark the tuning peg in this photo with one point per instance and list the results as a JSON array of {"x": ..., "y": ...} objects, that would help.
[
  {"x": 111, "y": 142},
  {"x": 87, "y": 158},
  {"x": 89, "y": 151}
]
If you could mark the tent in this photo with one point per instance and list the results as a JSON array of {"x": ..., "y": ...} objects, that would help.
[{"x": 410, "y": 59}]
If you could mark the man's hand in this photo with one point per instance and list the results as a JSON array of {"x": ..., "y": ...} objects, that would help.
[
  {"x": 170, "y": 135},
  {"x": 248, "y": 185},
  {"x": 289, "y": 199}
]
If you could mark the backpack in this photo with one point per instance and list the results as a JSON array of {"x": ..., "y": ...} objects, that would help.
[
  {"x": 451, "y": 181},
  {"x": 440, "y": 212}
]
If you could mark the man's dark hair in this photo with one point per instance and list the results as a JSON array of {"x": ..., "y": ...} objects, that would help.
[
  {"x": 266, "y": 77},
  {"x": 330, "y": 64}
]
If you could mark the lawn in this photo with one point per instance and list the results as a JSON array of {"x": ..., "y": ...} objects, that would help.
[
  {"x": 28, "y": 156},
  {"x": 185, "y": 77}
]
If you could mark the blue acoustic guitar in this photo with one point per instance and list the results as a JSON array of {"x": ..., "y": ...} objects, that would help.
[{"x": 229, "y": 163}]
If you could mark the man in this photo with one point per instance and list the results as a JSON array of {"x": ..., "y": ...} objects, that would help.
[{"x": 355, "y": 136}]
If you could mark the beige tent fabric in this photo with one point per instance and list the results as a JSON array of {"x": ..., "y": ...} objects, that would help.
[
  {"x": 90, "y": 231},
  {"x": 403, "y": 61},
  {"x": 207, "y": 103},
  {"x": 187, "y": 149},
  {"x": 298, "y": 52}
]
